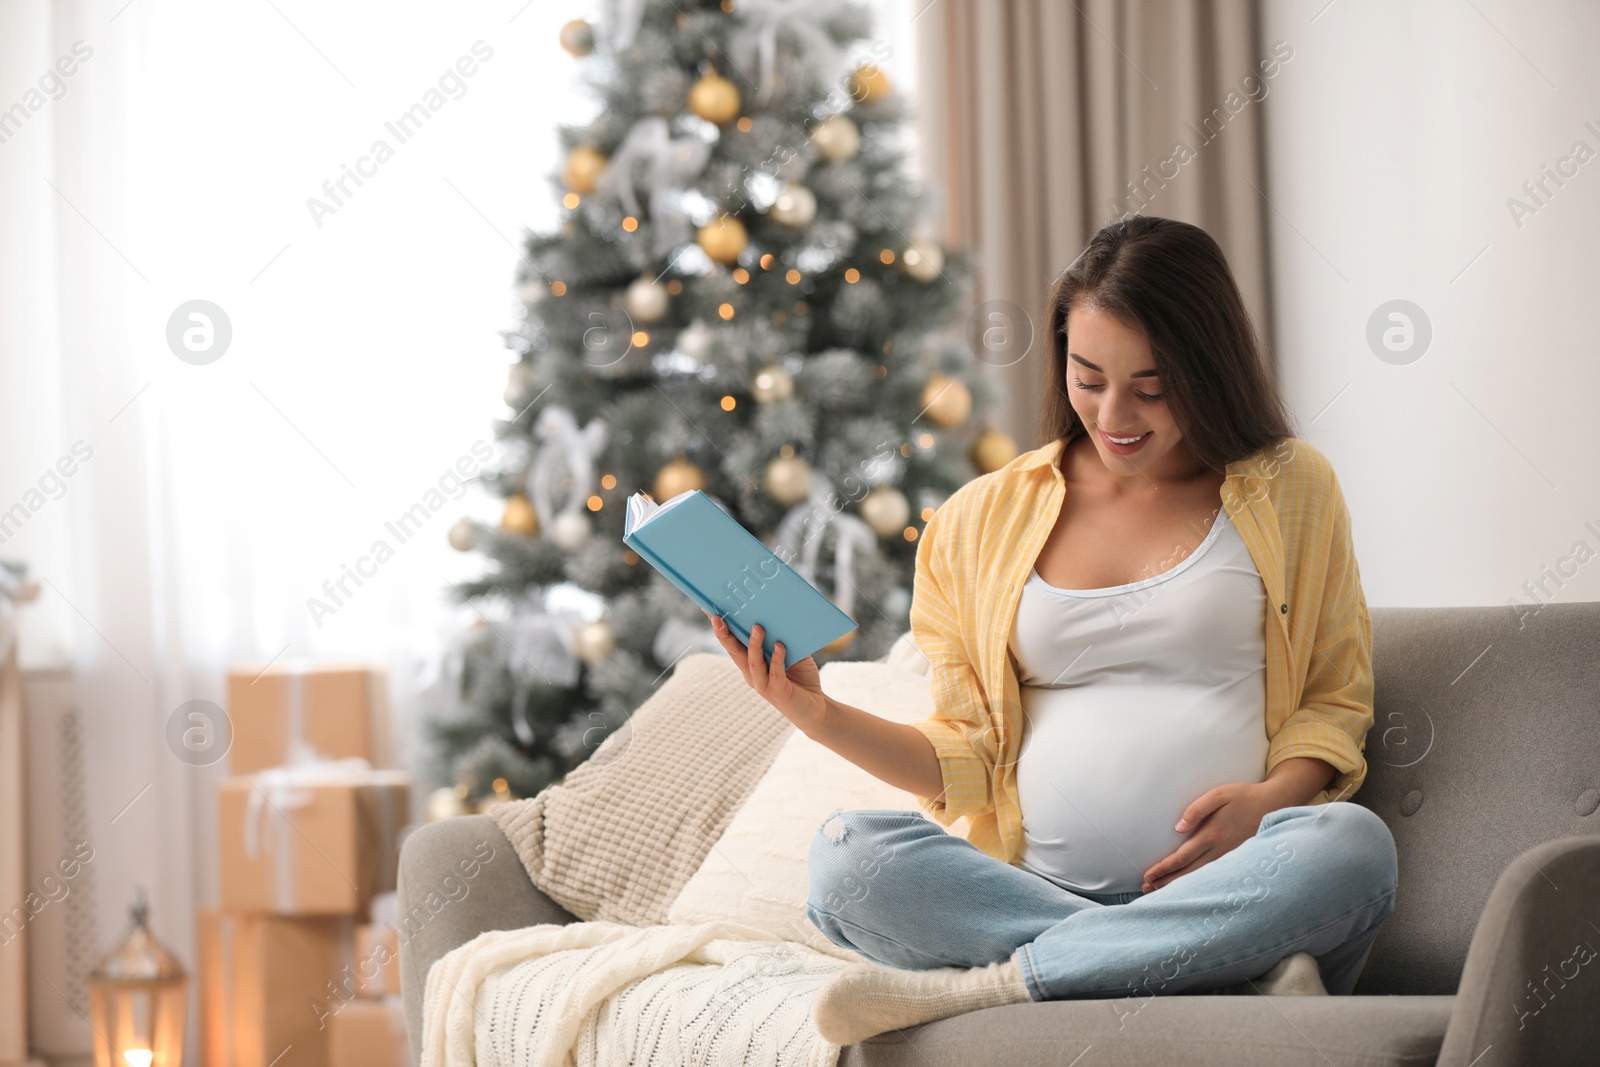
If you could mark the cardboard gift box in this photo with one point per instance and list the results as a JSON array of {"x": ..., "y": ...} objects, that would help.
[
  {"x": 334, "y": 710},
  {"x": 369, "y": 1033},
  {"x": 377, "y": 963},
  {"x": 312, "y": 839},
  {"x": 269, "y": 983}
]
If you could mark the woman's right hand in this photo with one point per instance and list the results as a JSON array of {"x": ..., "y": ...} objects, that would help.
[{"x": 796, "y": 691}]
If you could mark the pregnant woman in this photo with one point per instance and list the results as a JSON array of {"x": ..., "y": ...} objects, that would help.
[{"x": 1151, "y": 672}]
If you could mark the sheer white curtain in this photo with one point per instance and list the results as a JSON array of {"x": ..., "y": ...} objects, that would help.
[
  {"x": 159, "y": 152},
  {"x": 174, "y": 163}
]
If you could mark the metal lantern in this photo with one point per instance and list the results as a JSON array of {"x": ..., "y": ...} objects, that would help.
[{"x": 136, "y": 1000}]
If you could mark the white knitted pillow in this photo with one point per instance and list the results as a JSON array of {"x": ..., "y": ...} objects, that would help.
[{"x": 756, "y": 872}]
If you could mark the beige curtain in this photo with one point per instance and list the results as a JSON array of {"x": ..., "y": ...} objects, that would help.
[{"x": 1043, "y": 120}]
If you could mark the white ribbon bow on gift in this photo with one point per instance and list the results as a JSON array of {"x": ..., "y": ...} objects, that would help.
[{"x": 288, "y": 788}]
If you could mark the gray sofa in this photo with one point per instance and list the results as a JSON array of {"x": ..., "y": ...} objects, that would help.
[{"x": 1484, "y": 761}]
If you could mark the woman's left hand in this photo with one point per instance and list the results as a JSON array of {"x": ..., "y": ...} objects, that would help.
[{"x": 1218, "y": 822}]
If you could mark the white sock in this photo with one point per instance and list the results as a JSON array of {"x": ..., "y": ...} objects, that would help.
[
  {"x": 1296, "y": 975},
  {"x": 869, "y": 998}
]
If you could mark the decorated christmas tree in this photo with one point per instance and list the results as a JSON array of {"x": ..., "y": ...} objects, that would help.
[{"x": 740, "y": 298}]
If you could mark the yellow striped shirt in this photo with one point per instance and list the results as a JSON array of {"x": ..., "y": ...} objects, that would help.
[{"x": 979, "y": 547}]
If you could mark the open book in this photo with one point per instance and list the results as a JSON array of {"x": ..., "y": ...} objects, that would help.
[{"x": 728, "y": 571}]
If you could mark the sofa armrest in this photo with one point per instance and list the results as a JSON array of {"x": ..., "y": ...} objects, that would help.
[
  {"x": 459, "y": 877},
  {"x": 1528, "y": 988}
]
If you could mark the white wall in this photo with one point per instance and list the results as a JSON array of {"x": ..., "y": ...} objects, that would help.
[{"x": 1395, "y": 137}]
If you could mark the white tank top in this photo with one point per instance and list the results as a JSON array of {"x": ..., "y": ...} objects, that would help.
[{"x": 1137, "y": 698}]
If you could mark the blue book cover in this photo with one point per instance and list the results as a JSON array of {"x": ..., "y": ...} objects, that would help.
[{"x": 726, "y": 569}]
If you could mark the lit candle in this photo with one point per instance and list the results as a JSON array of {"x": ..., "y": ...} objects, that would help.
[{"x": 138, "y": 1057}]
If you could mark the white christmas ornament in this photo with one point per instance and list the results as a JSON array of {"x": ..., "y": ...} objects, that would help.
[
  {"x": 595, "y": 641},
  {"x": 647, "y": 301},
  {"x": 795, "y": 206},
  {"x": 462, "y": 536},
  {"x": 570, "y": 530},
  {"x": 923, "y": 260},
  {"x": 518, "y": 380},
  {"x": 694, "y": 340}
]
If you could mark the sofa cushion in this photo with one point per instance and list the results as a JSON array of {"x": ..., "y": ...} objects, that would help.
[
  {"x": 1195, "y": 1031},
  {"x": 756, "y": 873},
  {"x": 906, "y": 656},
  {"x": 618, "y": 838}
]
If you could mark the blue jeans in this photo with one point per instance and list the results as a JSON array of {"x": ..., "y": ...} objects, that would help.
[{"x": 898, "y": 889}]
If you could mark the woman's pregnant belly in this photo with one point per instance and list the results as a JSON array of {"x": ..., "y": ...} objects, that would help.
[{"x": 1106, "y": 770}]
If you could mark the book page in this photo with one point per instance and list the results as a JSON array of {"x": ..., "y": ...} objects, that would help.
[{"x": 641, "y": 509}]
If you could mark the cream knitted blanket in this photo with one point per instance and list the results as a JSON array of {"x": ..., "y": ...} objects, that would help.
[
  {"x": 651, "y": 990},
  {"x": 592, "y": 994}
]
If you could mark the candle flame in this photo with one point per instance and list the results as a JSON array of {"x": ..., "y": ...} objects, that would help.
[{"x": 138, "y": 1057}]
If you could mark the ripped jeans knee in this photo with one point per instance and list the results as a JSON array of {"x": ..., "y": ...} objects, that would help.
[
  {"x": 851, "y": 851},
  {"x": 834, "y": 827}
]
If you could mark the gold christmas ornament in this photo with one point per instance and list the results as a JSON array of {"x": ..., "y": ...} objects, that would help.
[
  {"x": 788, "y": 479},
  {"x": 723, "y": 238},
  {"x": 678, "y": 476},
  {"x": 992, "y": 450},
  {"x": 519, "y": 516},
  {"x": 946, "y": 400},
  {"x": 837, "y": 138},
  {"x": 594, "y": 641},
  {"x": 582, "y": 171},
  {"x": 886, "y": 510},
  {"x": 445, "y": 803},
  {"x": 462, "y": 535},
  {"x": 772, "y": 383},
  {"x": 647, "y": 301},
  {"x": 577, "y": 37},
  {"x": 715, "y": 99},
  {"x": 868, "y": 82},
  {"x": 923, "y": 260},
  {"x": 843, "y": 641},
  {"x": 795, "y": 206}
]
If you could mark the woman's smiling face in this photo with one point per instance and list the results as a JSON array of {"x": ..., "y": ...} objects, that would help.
[{"x": 1114, "y": 387}]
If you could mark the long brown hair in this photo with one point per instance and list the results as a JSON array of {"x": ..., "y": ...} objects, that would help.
[{"x": 1170, "y": 280}]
